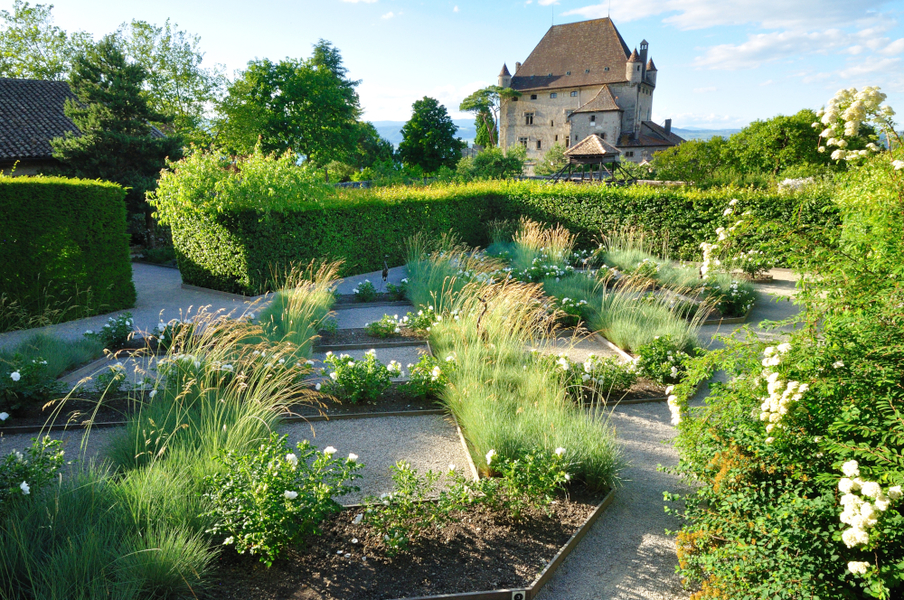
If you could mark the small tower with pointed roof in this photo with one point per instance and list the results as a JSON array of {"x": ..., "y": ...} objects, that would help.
[
  {"x": 651, "y": 73},
  {"x": 505, "y": 78},
  {"x": 633, "y": 68}
]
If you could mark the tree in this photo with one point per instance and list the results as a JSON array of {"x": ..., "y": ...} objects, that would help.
[
  {"x": 552, "y": 161},
  {"x": 776, "y": 144},
  {"x": 176, "y": 86},
  {"x": 116, "y": 141},
  {"x": 307, "y": 106},
  {"x": 429, "y": 137},
  {"x": 485, "y": 104},
  {"x": 32, "y": 47},
  {"x": 493, "y": 163}
]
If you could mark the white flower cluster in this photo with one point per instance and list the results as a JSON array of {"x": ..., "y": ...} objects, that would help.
[
  {"x": 361, "y": 286},
  {"x": 781, "y": 393},
  {"x": 674, "y": 406},
  {"x": 859, "y": 512},
  {"x": 845, "y": 114},
  {"x": 795, "y": 185},
  {"x": 709, "y": 258}
]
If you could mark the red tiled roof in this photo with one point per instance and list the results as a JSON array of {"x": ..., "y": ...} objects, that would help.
[
  {"x": 585, "y": 50},
  {"x": 592, "y": 145}
]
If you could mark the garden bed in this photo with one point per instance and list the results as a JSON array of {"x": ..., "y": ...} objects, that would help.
[
  {"x": 381, "y": 299},
  {"x": 393, "y": 401},
  {"x": 359, "y": 338},
  {"x": 477, "y": 552}
]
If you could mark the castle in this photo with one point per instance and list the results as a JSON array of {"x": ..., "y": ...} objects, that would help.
[{"x": 581, "y": 80}]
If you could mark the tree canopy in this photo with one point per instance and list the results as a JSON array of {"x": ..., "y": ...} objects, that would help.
[
  {"x": 32, "y": 47},
  {"x": 307, "y": 106},
  {"x": 429, "y": 137},
  {"x": 117, "y": 142}
]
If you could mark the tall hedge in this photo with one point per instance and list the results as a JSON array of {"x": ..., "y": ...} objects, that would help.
[
  {"x": 236, "y": 226},
  {"x": 64, "y": 242}
]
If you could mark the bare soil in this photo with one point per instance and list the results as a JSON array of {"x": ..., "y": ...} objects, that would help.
[
  {"x": 480, "y": 550},
  {"x": 360, "y": 336}
]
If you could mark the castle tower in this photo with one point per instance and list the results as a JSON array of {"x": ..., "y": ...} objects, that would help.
[
  {"x": 651, "y": 73},
  {"x": 505, "y": 78},
  {"x": 644, "y": 46},
  {"x": 633, "y": 69}
]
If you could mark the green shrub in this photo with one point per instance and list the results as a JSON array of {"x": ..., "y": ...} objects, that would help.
[
  {"x": 269, "y": 499},
  {"x": 365, "y": 291},
  {"x": 24, "y": 381},
  {"x": 115, "y": 333},
  {"x": 358, "y": 380},
  {"x": 662, "y": 360},
  {"x": 429, "y": 376},
  {"x": 387, "y": 326},
  {"x": 24, "y": 475},
  {"x": 606, "y": 377},
  {"x": 65, "y": 252}
]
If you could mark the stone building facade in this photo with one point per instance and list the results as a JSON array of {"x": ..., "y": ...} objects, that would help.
[{"x": 581, "y": 80}]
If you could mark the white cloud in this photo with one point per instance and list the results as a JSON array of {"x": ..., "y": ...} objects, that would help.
[
  {"x": 547, "y": 2},
  {"x": 455, "y": 9},
  {"x": 771, "y": 14},
  {"x": 896, "y": 47},
  {"x": 388, "y": 15},
  {"x": 872, "y": 66}
]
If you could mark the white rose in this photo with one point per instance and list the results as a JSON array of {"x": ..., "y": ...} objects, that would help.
[{"x": 290, "y": 495}]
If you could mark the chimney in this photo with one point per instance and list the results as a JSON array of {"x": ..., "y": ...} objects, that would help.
[
  {"x": 517, "y": 66},
  {"x": 668, "y": 126}
]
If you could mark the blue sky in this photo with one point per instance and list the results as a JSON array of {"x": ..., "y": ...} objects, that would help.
[{"x": 722, "y": 63}]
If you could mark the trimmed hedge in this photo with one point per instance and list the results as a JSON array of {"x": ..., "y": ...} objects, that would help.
[
  {"x": 64, "y": 247},
  {"x": 236, "y": 247}
]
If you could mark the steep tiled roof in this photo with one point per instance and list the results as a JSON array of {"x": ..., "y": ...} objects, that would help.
[
  {"x": 504, "y": 72},
  {"x": 634, "y": 56},
  {"x": 602, "y": 101},
  {"x": 650, "y": 65},
  {"x": 651, "y": 134},
  {"x": 592, "y": 145},
  {"x": 584, "y": 49},
  {"x": 31, "y": 114}
]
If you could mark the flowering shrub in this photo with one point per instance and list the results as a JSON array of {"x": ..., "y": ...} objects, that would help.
[
  {"x": 424, "y": 319},
  {"x": 844, "y": 116},
  {"x": 23, "y": 475},
  {"x": 166, "y": 333},
  {"x": 662, "y": 361},
  {"x": 365, "y": 291},
  {"x": 398, "y": 292},
  {"x": 541, "y": 268},
  {"x": 429, "y": 376},
  {"x": 531, "y": 480},
  {"x": 387, "y": 326},
  {"x": 732, "y": 300},
  {"x": 268, "y": 500},
  {"x": 358, "y": 381},
  {"x": 573, "y": 310},
  {"x": 115, "y": 332},
  {"x": 23, "y": 381},
  {"x": 605, "y": 376}
]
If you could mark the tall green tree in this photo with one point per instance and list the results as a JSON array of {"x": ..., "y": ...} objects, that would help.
[
  {"x": 307, "y": 106},
  {"x": 177, "y": 85},
  {"x": 776, "y": 144},
  {"x": 485, "y": 104},
  {"x": 429, "y": 137},
  {"x": 117, "y": 142},
  {"x": 32, "y": 47}
]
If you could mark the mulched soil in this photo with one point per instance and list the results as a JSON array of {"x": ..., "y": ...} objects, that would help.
[
  {"x": 478, "y": 551},
  {"x": 360, "y": 336},
  {"x": 351, "y": 299}
]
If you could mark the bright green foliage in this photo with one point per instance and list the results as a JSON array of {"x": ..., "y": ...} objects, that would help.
[
  {"x": 365, "y": 291},
  {"x": 176, "y": 86},
  {"x": 774, "y": 469},
  {"x": 36, "y": 468},
  {"x": 358, "y": 380},
  {"x": 116, "y": 142},
  {"x": 270, "y": 499},
  {"x": 429, "y": 376},
  {"x": 553, "y": 160},
  {"x": 387, "y": 326},
  {"x": 487, "y": 133},
  {"x": 493, "y": 163},
  {"x": 32, "y": 47},
  {"x": 429, "y": 137},
  {"x": 25, "y": 380},
  {"x": 70, "y": 252},
  {"x": 662, "y": 360},
  {"x": 308, "y": 107},
  {"x": 605, "y": 377},
  {"x": 115, "y": 332}
]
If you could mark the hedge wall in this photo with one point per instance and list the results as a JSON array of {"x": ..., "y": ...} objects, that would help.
[
  {"x": 237, "y": 248},
  {"x": 64, "y": 242}
]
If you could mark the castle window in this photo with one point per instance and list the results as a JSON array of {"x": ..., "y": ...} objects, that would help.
[
  {"x": 629, "y": 154},
  {"x": 605, "y": 68},
  {"x": 567, "y": 138},
  {"x": 574, "y": 94},
  {"x": 552, "y": 123},
  {"x": 603, "y": 135},
  {"x": 539, "y": 145},
  {"x": 528, "y": 118},
  {"x": 533, "y": 96},
  {"x": 593, "y": 118},
  {"x": 549, "y": 75},
  {"x": 568, "y": 72},
  {"x": 557, "y": 137},
  {"x": 553, "y": 95},
  {"x": 586, "y": 71},
  {"x": 523, "y": 141}
]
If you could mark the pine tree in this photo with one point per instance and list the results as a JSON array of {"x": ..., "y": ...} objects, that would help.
[{"x": 116, "y": 142}]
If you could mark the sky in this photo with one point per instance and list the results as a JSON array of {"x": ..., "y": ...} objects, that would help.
[{"x": 722, "y": 63}]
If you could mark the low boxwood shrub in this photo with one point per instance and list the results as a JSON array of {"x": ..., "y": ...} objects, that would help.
[{"x": 64, "y": 251}]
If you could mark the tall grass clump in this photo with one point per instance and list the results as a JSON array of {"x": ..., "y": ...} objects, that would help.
[
  {"x": 298, "y": 311},
  {"x": 500, "y": 397},
  {"x": 61, "y": 355}
]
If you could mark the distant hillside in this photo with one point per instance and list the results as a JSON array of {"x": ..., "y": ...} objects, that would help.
[
  {"x": 703, "y": 134},
  {"x": 392, "y": 130}
]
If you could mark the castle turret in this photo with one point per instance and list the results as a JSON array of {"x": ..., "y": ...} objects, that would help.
[
  {"x": 644, "y": 46},
  {"x": 633, "y": 68},
  {"x": 651, "y": 73},
  {"x": 505, "y": 78}
]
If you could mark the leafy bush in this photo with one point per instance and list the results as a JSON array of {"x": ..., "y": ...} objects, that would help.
[
  {"x": 606, "y": 376},
  {"x": 387, "y": 326},
  {"x": 269, "y": 499},
  {"x": 361, "y": 380},
  {"x": 365, "y": 291},
  {"x": 662, "y": 360},
  {"x": 398, "y": 292},
  {"x": 732, "y": 298},
  {"x": 24, "y": 475},
  {"x": 429, "y": 376},
  {"x": 23, "y": 381},
  {"x": 115, "y": 333},
  {"x": 70, "y": 258}
]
